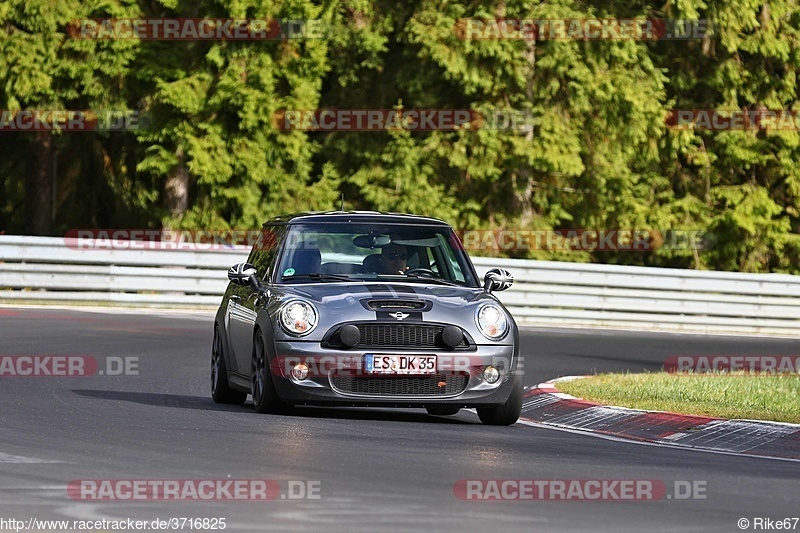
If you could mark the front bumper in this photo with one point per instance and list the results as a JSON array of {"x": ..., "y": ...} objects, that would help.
[{"x": 333, "y": 373}]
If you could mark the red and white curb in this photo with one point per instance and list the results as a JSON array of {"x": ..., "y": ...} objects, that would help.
[{"x": 545, "y": 404}]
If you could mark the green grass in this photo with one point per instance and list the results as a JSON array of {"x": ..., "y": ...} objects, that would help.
[{"x": 773, "y": 397}]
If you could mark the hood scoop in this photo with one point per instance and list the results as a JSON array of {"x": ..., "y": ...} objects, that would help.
[{"x": 397, "y": 304}]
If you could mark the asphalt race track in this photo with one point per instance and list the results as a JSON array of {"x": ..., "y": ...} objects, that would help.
[{"x": 375, "y": 469}]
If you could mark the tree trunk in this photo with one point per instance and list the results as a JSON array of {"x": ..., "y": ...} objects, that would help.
[
  {"x": 40, "y": 186},
  {"x": 523, "y": 199},
  {"x": 176, "y": 188}
]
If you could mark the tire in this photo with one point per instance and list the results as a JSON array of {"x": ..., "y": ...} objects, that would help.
[
  {"x": 221, "y": 391},
  {"x": 265, "y": 398},
  {"x": 442, "y": 410},
  {"x": 506, "y": 414}
]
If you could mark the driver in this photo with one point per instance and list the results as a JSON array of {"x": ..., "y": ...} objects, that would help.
[{"x": 393, "y": 259}]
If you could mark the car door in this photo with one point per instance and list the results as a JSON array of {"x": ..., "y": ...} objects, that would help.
[
  {"x": 241, "y": 317},
  {"x": 242, "y": 311}
]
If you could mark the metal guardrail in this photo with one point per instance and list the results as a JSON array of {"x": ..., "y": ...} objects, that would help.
[{"x": 43, "y": 269}]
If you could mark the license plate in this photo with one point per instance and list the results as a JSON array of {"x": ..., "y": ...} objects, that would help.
[{"x": 399, "y": 364}]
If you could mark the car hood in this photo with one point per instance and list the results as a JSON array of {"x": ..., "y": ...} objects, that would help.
[
  {"x": 328, "y": 292},
  {"x": 342, "y": 302}
]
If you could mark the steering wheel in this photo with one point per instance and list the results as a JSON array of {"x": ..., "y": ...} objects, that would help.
[{"x": 423, "y": 271}]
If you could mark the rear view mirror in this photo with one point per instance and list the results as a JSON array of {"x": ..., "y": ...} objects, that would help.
[
  {"x": 242, "y": 273},
  {"x": 497, "y": 279},
  {"x": 371, "y": 241}
]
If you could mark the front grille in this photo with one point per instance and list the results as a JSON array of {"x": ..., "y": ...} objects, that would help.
[
  {"x": 408, "y": 336},
  {"x": 434, "y": 385},
  {"x": 405, "y": 335}
]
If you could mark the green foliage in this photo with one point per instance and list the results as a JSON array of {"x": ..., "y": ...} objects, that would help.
[{"x": 591, "y": 150}]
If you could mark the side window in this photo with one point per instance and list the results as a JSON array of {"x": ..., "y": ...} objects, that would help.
[
  {"x": 432, "y": 260},
  {"x": 265, "y": 250},
  {"x": 455, "y": 268}
]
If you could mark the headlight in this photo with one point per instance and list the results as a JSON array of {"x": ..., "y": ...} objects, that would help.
[
  {"x": 491, "y": 321},
  {"x": 298, "y": 317}
]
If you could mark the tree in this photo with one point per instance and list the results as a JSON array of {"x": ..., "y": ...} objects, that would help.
[{"x": 42, "y": 69}]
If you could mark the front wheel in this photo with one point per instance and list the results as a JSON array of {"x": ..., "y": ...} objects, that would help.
[
  {"x": 506, "y": 414},
  {"x": 221, "y": 391},
  {"x": 265, "y": 398}
]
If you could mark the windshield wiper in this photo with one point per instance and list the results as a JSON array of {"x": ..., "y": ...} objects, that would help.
[
  {"x": 434, "y": 280},
  {"x": 319, "y": 277}
]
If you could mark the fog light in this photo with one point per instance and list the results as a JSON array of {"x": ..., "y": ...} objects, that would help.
[
  {"x": 300, "y": 372},
  {"x": 491, "y": 374}
]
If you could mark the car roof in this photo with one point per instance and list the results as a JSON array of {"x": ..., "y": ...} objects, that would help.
[{"x": 355, "y": 216}]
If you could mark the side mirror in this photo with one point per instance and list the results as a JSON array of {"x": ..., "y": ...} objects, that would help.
[
  {"x": 242, "y": 274},
  {"x": 497, "y": 279}
]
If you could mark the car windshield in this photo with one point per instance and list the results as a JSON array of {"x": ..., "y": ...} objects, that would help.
[{"x": 335, "y": 252}]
